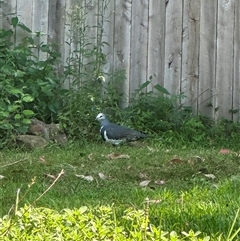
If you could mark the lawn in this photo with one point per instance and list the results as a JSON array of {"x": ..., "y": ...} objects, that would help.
[{"x": 188, "y": 188}]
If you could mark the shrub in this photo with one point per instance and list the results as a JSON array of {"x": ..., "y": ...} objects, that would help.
[{"x": 29, "y": 86}]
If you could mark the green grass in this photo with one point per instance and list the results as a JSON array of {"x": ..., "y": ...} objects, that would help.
[{"x": 187, "y": 200}]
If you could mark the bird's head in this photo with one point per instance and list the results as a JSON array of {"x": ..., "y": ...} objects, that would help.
[{"x": 101, "y": 117}]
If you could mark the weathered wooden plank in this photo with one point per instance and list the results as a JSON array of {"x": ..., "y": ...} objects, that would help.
[
  {"x": 1, "y": 15},
  {"x": 56, "y": 21},
  {"x": 224, "y": 65},
  {"x": 107, "y": 39},
  {"x": 55, "y": 27},
  {"x": 156, "y": 43},
  {"x": 190, "y": 54},
  {"x": 40, "y": 24},
  {"x": 173, "y": 46},
  {"x": 9, "y": 9},
  {"x": 236, "y": 67},
  {"x": 24, "y": 13},
  {"x": 92, "y": 20},
  {"x": 121, "y": 45},
  {"x": 207, "y": 57},
  {"x": 139, "y": 44}
]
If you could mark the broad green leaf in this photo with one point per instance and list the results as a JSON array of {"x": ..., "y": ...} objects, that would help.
[
  {"x": 46, "y": 90},
  {"x": 161, "y": 89},
  {"x": 24, "y": 27},
  {"x": 19, "y": 73},
  {"x": 83, "y": 209},
  {"x": 26, "y": 121},
  {"x": 30, "y": 40},
  {"x": 12, "y": 108},
  {"x": 4, "y": 114},
  {"x": 14, "y": 21},
  {"x": 28, "y": 113},
  {"x": 22, "y": 129},
  {"x": 17, "y": 117},
  {"x": 234, "y": 111},
  {"x": 45, "y": 48},
  {"x": 144, "y": 85},
  {"x": 15, "y": 91},
  {"x": 27, "y": 98},
  {"x": 4, "y": 33},
  {"x": 51, "y": 108},
  {"x": 6, "y": 126}
]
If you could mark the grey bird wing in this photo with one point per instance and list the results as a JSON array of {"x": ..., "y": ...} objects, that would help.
[{"x": 115, "y": 131}]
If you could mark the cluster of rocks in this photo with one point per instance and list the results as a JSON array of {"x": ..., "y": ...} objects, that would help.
[{"x": 41, "y": 134}]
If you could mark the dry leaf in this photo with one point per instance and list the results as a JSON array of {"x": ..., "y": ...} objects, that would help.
[
  {"x": 142, "y": 175},
  {"x": 128, "y": 168},
  {"x": 102, "y": 176},
  {"x": 210, "y": 176},
  {"x": 113, "y": 156},
  {"x": 144, "y": 183},
  {"x": 176, "y": 161},
  {"x": 136, "y": 144},
  {"x": 90, "y": 156},
  {"x": 198, "y": 158},
  {"x": 87, "y": 178},
  {"x": 42, "y": 159},
  {"x": 51, "y": 176},
  {"x": 160, "y": 182},
  {"x": 152, "y": 149},
  {"x": 73, "y": 167},
  {"x": 191, "y": 162},
  {"x": 155, "y": 201},
  {"x": 225, "y": 151},
  {"x": 1, "y": 176}
]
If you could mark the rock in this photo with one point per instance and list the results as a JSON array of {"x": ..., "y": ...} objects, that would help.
[
  {"x": 39, "y": 128},
  {"x": 50, "y": 132},
  {"x": 32, "y": 141}
]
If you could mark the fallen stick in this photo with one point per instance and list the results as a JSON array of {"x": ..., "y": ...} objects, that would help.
[{"x": 12, "y": 163}]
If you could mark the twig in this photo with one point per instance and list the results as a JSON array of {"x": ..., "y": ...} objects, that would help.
[
  {"x": 59, "y": 175},
  {"x": 17, "y": 200},
  {"x": 12, "y": 163}
]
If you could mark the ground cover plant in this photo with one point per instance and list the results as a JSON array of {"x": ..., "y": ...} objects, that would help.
[{"x": 189, "y": 189}]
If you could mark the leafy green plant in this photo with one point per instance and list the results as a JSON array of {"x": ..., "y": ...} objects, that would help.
[
  {"x": 90, "y": 89},
  {"x": 29, "y": 86},
  {"x": 153, "y": 111},
  {"x": 87, "y": 223}
]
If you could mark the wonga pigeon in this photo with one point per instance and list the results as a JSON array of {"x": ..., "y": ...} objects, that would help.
[{"x": 116, "y": 134}]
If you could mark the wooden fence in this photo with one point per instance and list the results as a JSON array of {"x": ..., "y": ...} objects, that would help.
[{"x": 187, "y": 46}]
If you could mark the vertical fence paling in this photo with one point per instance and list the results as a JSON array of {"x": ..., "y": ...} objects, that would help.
[{"x": 190, "y": 46}]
